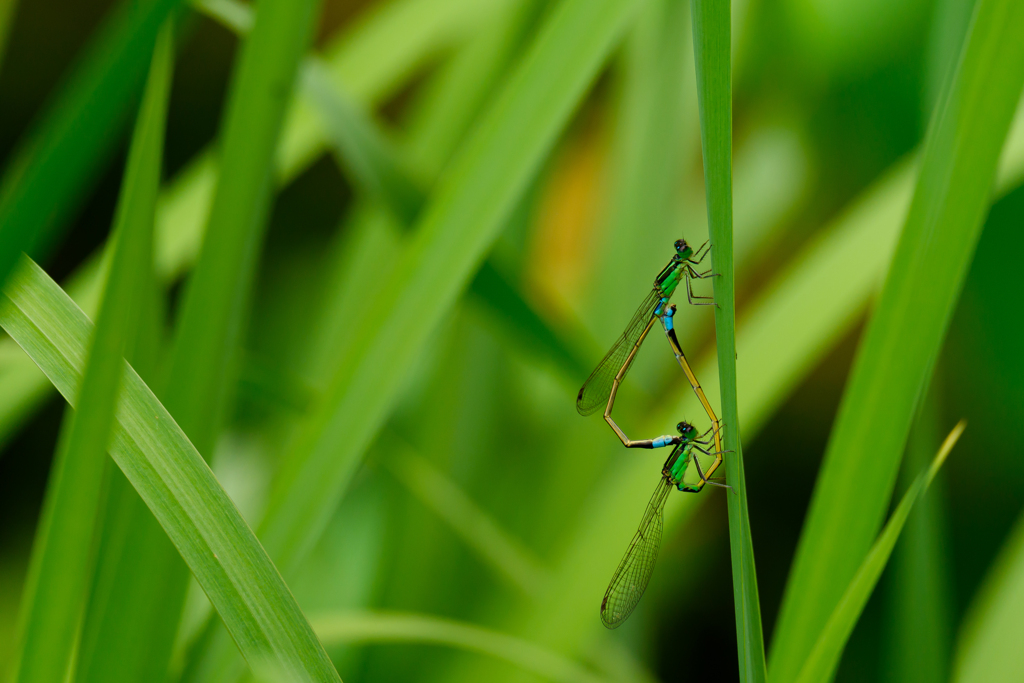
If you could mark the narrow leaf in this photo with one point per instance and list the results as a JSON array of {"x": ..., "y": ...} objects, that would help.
[
  {"x": 711, "y": 46},
  {"x": 204, "y": 366},
  {"x": 824, "y": 658},
  {"x": 918, "y": 634},
  {"x": 62, "y": 560},
  {"x": 174, "y": 480},
  {"x": 906, "y": 330}
]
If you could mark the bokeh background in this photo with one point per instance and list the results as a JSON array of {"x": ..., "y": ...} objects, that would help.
[{"x": 830, "y": 97}]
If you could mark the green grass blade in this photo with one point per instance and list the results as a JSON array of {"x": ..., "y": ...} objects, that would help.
[
  {"x": 824, "y": 657},
  {"x": 47, "y": 174},
  {"x": 177, "y": 485},
  {"x": 397, "y": 627},
  {"x": 203, "y": 367},
  {"x": 62, "y": 560},
  {"x": 506, "y": 555},
  {"x": 456, "y": 230},
  {"x": 123, "y": 603},
  {"x": 711, "y": 32},
  {"x": 210, "y": 323},
  {"x": 988, "y": 648},
  {"x": 920, "y": 595},
  {"x": 903, "y": 337}
]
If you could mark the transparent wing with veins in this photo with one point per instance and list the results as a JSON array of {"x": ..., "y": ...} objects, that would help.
[
  {"x": 634, "y": 572},
  {"x": 595, "y": 391}
]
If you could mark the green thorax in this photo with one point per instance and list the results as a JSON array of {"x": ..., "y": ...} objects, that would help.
[
  {"x": 678, "y": 461},
  {"x": 669, "y": 277}
]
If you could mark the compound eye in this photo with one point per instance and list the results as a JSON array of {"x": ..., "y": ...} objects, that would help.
[{"x": 680, "y": 245}]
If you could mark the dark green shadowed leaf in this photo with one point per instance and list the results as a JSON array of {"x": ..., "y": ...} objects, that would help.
[
  {"x": 62, "y": 560},
  {"x": 55, "y": 164},
  {"x": 711, "y": 46},
  {"x": 821, "y": 664},
  {"x": 209, "y": 327},
  {"x": 177, "y": 485},
  {"x": 904, "y": 335},
  {"x": 989, "y": 646}
]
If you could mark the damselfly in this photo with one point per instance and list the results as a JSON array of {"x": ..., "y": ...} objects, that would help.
[{"x": 689, "y": 468}]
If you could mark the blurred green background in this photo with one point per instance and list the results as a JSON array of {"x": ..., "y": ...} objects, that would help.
[{"x": 829, "y": 96}]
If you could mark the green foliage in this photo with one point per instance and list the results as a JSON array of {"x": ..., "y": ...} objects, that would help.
[
  {"x": 62, "y": 558},
  {"x": 171, "y": 476},
  {"x": 906, "y": 329},
  {"x": 378, "y": 284},
  {"x": 44, "y": 183},
  {"x": 821, "y": 663},
  {"x": 989, "y": 643}
]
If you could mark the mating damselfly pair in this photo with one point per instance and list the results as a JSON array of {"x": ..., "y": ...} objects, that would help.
[{"x": 694, "y": 457}]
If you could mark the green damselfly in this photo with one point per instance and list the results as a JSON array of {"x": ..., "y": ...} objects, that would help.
[
  {"x": 603, "y": 384},
  {"x": 684, "y": 470}
]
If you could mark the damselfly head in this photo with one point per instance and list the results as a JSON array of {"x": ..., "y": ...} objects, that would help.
[
  {"x": 683, "y": 250},
  {"x": 686, "y": 430}
]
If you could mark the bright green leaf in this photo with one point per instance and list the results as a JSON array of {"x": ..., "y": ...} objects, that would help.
[{"x": 177, "y": 485}]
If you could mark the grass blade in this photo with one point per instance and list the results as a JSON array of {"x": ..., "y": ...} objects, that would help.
[
  {"x": 177, "y": 485},
  {"x": 47, "y": 174},
  {"x": 711, "y": 32},
  {"x": 903, "y": 337},
  {"x": 62, "y": 560},
  {"x": 126, "y": 607},
  {"x": 210, "y": 323},
  {"x": 385, "y": 627},
  {"x": 824, "y": 658},
  {"x": 920, "y": 596},
  {"x": 203, "y": 364},
  {"x": 989, "y": 644}
]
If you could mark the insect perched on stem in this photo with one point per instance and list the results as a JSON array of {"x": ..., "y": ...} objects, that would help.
[
  {"x": 684, "y": 470},
  {"x": 603, "y": 383}
]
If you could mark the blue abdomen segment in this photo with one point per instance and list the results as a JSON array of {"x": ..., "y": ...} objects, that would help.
[{"x": 663, "y": 441}]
